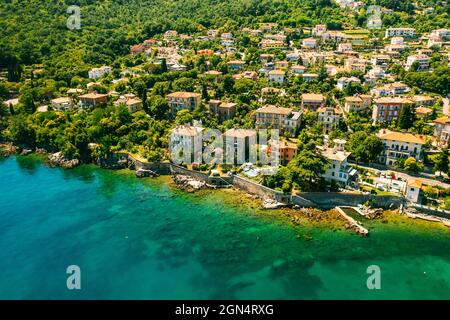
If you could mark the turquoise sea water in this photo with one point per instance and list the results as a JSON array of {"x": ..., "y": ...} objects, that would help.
[{"x": 142, "y": 239}]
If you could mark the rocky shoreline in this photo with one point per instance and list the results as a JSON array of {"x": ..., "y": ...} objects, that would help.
[
  {"x": 269, "y": 203},
  {"x": 189, "y": 184},
  {"x": 8, "y": 149},
  {"x": 58, "y": 160},
  {"x": 53, "y": 159}
]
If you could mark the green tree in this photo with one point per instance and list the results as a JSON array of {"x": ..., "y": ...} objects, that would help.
[
  {"x": 228, "y": 83},
  {"x": 441, "y": 162},
  {"x": 141, "y": 90},
  {"x": 27, "y": 102},
  {"x": 4, "y": 111},
  {"x": 21, "y": 132},
  {"x": 406, "y": 118},
  {"x": 163, "y": 65},
  {"x": 159, "y": 107},
  {"x": 412, "y": 165},
  {"x": 364, "y": 147},
  {"x": 306, "y": 168},
  {"x": 183, "y": 117},
  {"x": 184, "y": 84}
]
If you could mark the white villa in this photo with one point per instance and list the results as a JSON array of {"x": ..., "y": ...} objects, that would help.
[
  {"x": 98, "y": 72},
  {"x": 338, "y": 170}
]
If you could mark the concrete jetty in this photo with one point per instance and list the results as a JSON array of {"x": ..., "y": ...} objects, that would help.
[
  {"x": 353, "y": 223},
  {"x": 445, "y": 222}
]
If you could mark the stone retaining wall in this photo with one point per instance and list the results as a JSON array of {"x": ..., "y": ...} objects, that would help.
[
  {"x": 333, "y": 199},
  {"x": 191, "y": 173},
  {"x": 162, "y": 168},
  {"x": 259, "y": 190}
]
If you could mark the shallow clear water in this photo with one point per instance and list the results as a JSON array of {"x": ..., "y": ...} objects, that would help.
[{"x": 142, "y": 239}]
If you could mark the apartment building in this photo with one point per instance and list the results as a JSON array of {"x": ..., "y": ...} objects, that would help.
[
  {"x": 93, "y": 99},
  {"x": 421, "y": 60},
  {"x": 283, "y": 119},
  {"x": 186, "y": 143},
  {"x": 313, "y": 101},
  {"x": 329, "y": 117},
  {"x": 98, "y": 72},
  {"x": 442, "y": 131},
  {"x": 387, "y": 109},
  {"x": 183, "y": 101},
  {"x": 357, "y": 103},
  {"x": 400, "y": 32},
  {"x": 62, "y": 104},
  {"x": 399, "y": 145},
  {"x": 224, "y": 110},
  {"x": 238, "y": 144}
]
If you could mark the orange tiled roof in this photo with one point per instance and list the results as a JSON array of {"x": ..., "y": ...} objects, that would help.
[
  {"x": 239, "y": 133},
  {"x": 313, "y": 97},
  {"x": 415, "y": 183},
  {"x": 442, "y": 120},
  {"x": 182, "y": 94},
  {"x": 402, "y": 137},
  {"x": 274, "y": 110}
]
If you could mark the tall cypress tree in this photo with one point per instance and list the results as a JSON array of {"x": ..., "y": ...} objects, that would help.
[{"x": 406, "y": 117}]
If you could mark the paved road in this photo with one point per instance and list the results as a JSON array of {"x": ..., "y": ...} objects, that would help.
[{"x": 406, "y": 177}]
